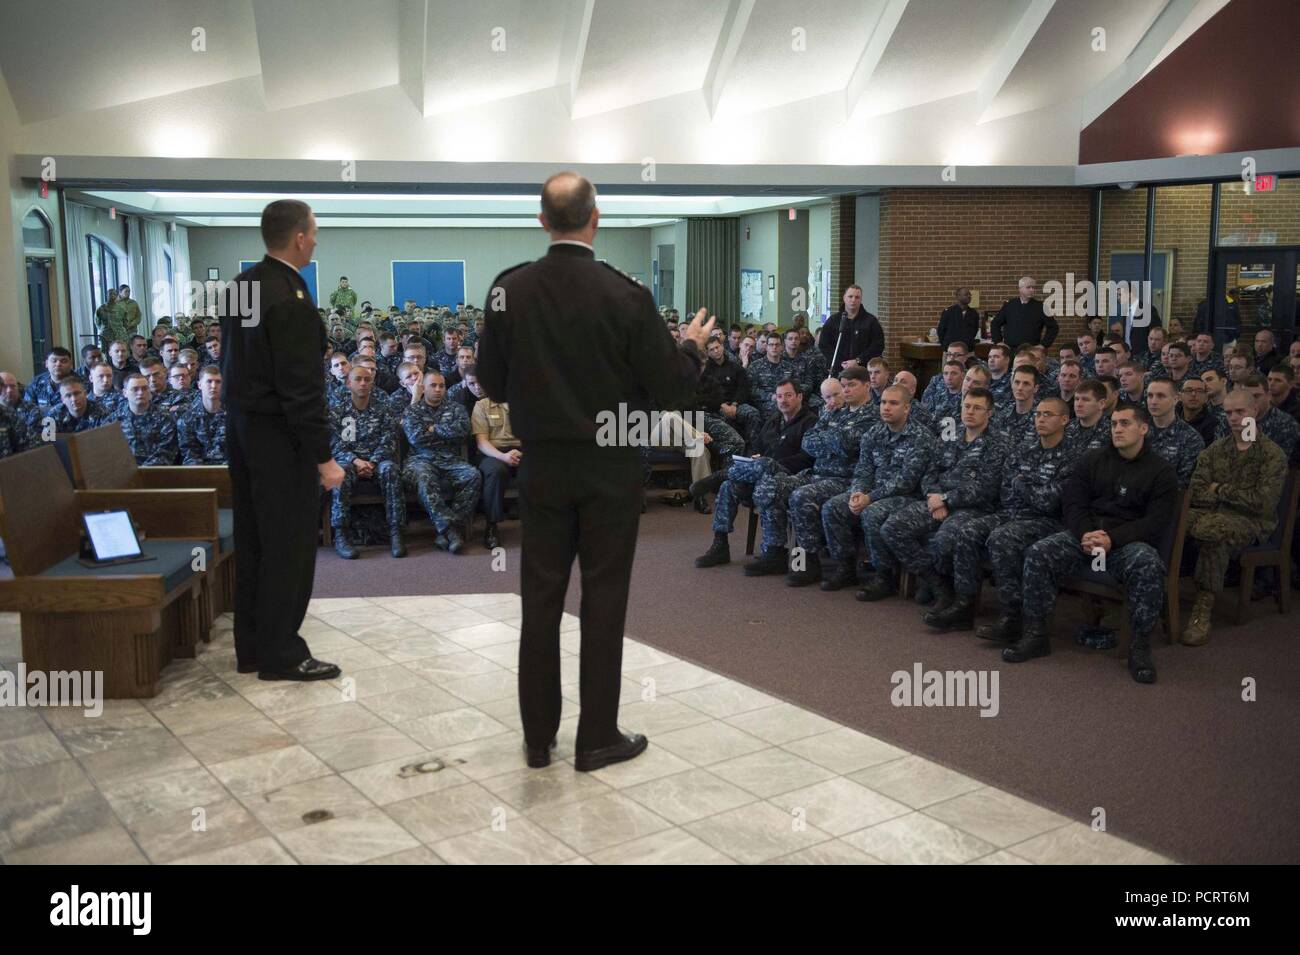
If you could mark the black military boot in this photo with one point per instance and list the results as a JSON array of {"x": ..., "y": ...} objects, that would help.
[
  {"x": 941, "y": 587},
  {"x": 1033, "y": 642},
  {"x": 490, "y": 539},
  {"x": 958, "y": 615},
  {"x": 707, "y": 485},
  {"x": 1005, "y": 630},
  {"x": 1140, "y": 665},
  {"x": 701, "y": 502},
  {"x": 343, "y": 545},
  {"x": 811, "y": 573},
  {"x": 769, "y": 562},
  {"x": 455, "y": 540},
  {"x": 397, "y": 540},
  {"x": 880, "y": 585},
  {"x": 719, "y": 552},
  {"x": 844, "y": 575}
]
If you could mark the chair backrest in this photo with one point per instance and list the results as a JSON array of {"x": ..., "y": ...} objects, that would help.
[
  {"x": 1286, "y": 506},
  {"x": 101, "y": 459},
  {"x": 39, "y": 519},
  {"x": 1171, "y": 545}
]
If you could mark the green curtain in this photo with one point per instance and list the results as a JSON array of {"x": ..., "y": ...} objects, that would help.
[{"x": 713, "y": 268}]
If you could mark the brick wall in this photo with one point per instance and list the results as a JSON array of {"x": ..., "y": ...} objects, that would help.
[
  {"x": 933, "y": 240},
  {"x": 843, "y": 245}
]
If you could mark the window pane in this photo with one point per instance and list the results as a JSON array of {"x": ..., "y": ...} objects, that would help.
[
  {"x": 1261, "y": 218},
  {"x": 1182, "y": 247},
  {"x": 36, "y": 233}
]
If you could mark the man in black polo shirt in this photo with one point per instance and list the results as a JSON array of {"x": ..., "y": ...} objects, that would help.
[
  {"x": 1022, "y": 321},
  {"x": 959, "y": 322}
]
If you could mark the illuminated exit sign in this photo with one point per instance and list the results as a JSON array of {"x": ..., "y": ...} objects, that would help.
[{"x": 1266, "y": 183}]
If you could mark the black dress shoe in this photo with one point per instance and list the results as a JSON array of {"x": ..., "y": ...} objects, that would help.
[
  {"x": 631, "y": 746},
  {"x": 539, "y": 757},
  {"x": 397, "y": 542},
  {"x": 247, "y": 667},
  {"x": 309, "y": 669},
  {"x": 490, "y": 539},
  {"x": 455, "y": 543}
]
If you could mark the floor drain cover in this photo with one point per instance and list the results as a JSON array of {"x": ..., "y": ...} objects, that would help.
[
  {"x": 317, "y": 815},
  {"x": 416, "y": 769}
]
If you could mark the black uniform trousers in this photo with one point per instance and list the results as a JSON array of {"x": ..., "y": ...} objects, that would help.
[
  {"x": 575, "y": 500},
  {"x": 276, "y": 496},
  {"x": 496, "y": 475}
]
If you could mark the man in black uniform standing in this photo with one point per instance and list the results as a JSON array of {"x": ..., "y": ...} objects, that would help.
[
  {"x": 278, "y": 443},
  {"x": 569, "y": 339},
  {"x": 1022, "y": 321},
  {"x": 959, "y": 322},
  {"x": 852, "y": 336}
]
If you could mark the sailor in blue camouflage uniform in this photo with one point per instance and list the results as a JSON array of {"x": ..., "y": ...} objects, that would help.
[
  {"x": 766, "y": 371},
  {"x": 1170, "y": 436},
  {"x": 893, "y": 457},
  {"x": 1118, "y": 503},
  {"x": 778, "y": 449},
  {"x": 944, "y": 401},
  {"x": 1089, "y": 429},
  {"x": 14, "y": 435},
  {"x": 436, "y": 430},
  {"x": 363, "y": 440},
  {"x": 76, "y": 412},
  {"x": 1016, "y": 419},
  {"x": 336, "y": 381},
  {"x": 1204, "y": 356},
  {"x": 1028, "y": 509},
  {"x": 446, "y": 355},
  {"x": 961, "y": 483},
  {"x": 813, "y": 369},
  {"x": 999, "y": 365},
  {"x": 1276, "y": 425},
  {"x": 43, "y": 389},
  {"x": 179, "y": 397},
  {"x": 833, "y": 444},
  {"x": 150, "y": 432},
  {"x": 201, "y": 430}
]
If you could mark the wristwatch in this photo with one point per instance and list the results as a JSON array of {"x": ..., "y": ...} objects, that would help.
[{"x": 943, "y": 496}]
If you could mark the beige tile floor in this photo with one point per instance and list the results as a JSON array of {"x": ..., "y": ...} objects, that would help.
[{"x": 414, "y": 758}]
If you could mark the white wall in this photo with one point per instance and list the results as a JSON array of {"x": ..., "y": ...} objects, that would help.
[
  {"x": 365, "y": 255},
  {"x": 760, "y": 250},
  {"x": 866, "y": 251}
]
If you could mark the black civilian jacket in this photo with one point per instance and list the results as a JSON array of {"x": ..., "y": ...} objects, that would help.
[
  {"x": 1023, "y": 323},
  {"x": 862, "y": 338},
  {"x": 568, "y": 339},
  {"x": 1130, "y": 500},
  {"x": 722, "y": 384},
  {"x": 959, "y": 325},
  {"x": 782, "y": 441},
  {"x": 271, "y": 360}
]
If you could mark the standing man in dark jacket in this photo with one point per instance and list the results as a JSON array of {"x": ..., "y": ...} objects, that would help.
[
  {"x": 852, "y": 336},
  {"x": 1118, "y": 502},
  {"x": 571, "y": 343},
  {"x": 278, "y": 443},
  {"x": 1022, "y": 321},
  {"x": 959, "y": 322}
]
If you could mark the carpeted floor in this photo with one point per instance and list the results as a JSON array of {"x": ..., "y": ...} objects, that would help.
[{"x": 1184, "y": 767}]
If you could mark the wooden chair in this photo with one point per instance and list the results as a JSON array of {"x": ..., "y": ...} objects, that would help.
[
  {"x": 1274, "y": 552},
  {"x": 101, "y": 460},
  {"x": 126, "y": 620},
  {"x": 1103, "y": 586}
]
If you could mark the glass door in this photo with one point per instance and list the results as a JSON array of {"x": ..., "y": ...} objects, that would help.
[{"x": 1252, "y": 289}]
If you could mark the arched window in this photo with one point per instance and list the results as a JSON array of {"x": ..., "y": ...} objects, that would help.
[
  {"x": 103, "y": 269},
  {"x": 37, "y": 234}
]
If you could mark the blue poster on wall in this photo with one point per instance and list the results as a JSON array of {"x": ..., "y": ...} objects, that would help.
[
  {"x": 429, "y": 282},
  {"x": 308, "y": 276}
]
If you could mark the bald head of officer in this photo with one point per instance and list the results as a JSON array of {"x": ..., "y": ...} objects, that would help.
[{"x": 569, "y": 212}]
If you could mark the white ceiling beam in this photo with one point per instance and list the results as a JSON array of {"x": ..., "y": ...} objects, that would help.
[
  {"x": 1101, "y": 97},
  {"x": 577, "y": 27},
  {"x": 886, "y": 23},
  {"x": 412, "y": 49},
  {"x": 724, "y": 52},
  {"x": 1011, "y": 52}
]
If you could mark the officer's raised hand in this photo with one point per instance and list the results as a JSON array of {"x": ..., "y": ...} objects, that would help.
[{"x": 698, "y": 330}]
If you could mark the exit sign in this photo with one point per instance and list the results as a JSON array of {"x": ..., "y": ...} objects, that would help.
[{"x": 1266, "y": 183}]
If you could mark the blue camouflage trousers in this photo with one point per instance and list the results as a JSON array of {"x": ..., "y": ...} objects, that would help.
[
  {"x": 1004, "y": 541},
  {"x": 772, "y": 498},
  {"x": 806, "y": 504},
  {"x": 840, "y": 522},
  {"x": 389, "y": 478},
  {"x": 726, "y": 439},
  {"x": 920, "y": 543},
  {"x": 458, "y": 480},
  {"x": 738, "y": 488},
  {"x": 1137, "y": 567}
]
